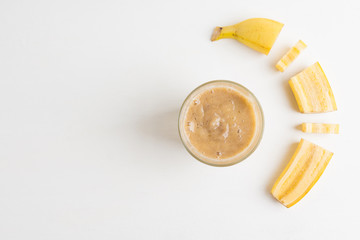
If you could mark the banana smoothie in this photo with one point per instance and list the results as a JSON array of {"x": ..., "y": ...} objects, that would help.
[{"x": 220, "y": 123}]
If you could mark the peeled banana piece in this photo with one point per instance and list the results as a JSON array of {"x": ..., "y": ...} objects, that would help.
[
  {"x": 312, "y": 90},
  {"x": 320, "y": 128},
  {"x": 290, "y": 56},
  {"x": 302, "y": 172},
  {"x": 257, "y": 33}
]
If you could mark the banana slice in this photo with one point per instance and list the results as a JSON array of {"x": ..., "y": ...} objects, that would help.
[
  {"x": 302, "y": 172},
  {"x": 320, "y": 128},
  {"x": 312, "y": 90},
  {"x": 258, "y": 33},
  {"x": 290, "y": 56}
]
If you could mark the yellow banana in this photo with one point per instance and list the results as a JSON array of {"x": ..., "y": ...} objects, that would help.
[
  {"x": 257, "y": 33},
  {"x": 302, "y": 172},
  {"x": 312, "y": 91},
  {"x": 320, "y": 128},
  {"x": 290, "y": 56}
]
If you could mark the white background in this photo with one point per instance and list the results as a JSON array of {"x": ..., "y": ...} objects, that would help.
[{"x": 89, "y": 97}]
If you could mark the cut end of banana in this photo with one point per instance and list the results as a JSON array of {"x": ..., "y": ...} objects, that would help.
[
  {"x": 312, "y": 91},
  {"x": 216, "y": 33},
  {"x": 326, "y": 128},
  {"x": 290, "y": 56},
  {"x": 302, "y": 172}
]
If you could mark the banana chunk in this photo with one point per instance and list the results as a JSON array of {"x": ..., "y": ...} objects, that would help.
[
  {"x": 312, "y": 90},
  {"x": 320, "y": 128},
  {"x": 290, "y": 56},
  {"x": 302, "y": 172},
  {"x": 257, "y": 33}
]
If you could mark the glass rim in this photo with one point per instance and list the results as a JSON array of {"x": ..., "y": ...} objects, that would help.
[{"x": 258, "y": 140}]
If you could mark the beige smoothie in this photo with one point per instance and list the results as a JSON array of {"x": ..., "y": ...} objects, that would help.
[{"x": 221, "y": 123}]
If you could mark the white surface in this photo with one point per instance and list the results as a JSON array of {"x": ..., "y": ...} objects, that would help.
[{"x": 89, "y": 96}]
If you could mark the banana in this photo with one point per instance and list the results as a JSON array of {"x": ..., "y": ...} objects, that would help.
[
  {"x": 256, "y": 33},
  {"x": 302, "y": 172},
  {"x": 320, "y": 128},
  {"x": 290, "y": 56},
  {"x": 312, "y": 90}
]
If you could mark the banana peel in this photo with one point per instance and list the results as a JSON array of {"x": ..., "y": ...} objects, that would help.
[{"x": 257, "y": 33}]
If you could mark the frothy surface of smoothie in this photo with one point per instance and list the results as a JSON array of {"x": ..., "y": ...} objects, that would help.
[{"x": 220, "y": 122}]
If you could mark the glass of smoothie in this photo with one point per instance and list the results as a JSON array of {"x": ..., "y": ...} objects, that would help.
[{"x": 221, "y": 123}]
